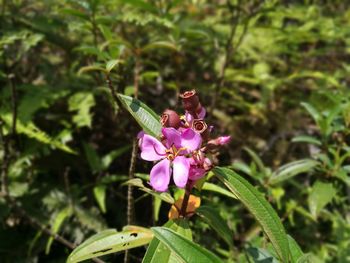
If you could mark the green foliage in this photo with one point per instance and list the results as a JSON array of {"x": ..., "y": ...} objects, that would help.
[
  {"x": 279, "y": 88},
  {"x": 158, "y": 251},
  {"x": 110, "y": 241},
  {"x": 259, "y": 207},
  {"x": 184, "y": 248}
]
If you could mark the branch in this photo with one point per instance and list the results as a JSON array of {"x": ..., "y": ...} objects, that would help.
[{"x": 228, "y": 54}]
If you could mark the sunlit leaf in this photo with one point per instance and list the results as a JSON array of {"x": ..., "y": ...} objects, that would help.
[
  {"x": 110, "y": 241},
  {"x": 261, "y": 255},
  {"x": 158, "y": 252},
  {"x": 321, "y": 195},
  {"x": 100, "y": 196},
  {"x": 146, "y": 118},
  {"x": 259, "y": 207},
  {"x": 184, "y": 248},
  {"x": 292, "y": 169}
]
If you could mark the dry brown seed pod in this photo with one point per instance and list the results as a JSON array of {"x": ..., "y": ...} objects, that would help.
[
  {"x": 190, "y": 100},
  {"x": 170, "y": 118}
]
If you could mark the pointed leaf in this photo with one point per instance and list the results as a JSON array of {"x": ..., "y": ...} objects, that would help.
[
  {"x": 100, "y": 196},
  {"x": 291, "y": 169},
  {"x": 146, "y": 118},
  {"x": 295, "y": 251},
  {"x": 158, "y": 252},
  {"x": 214, "y": 219},
  {"x": 259, "y": 207},
  {"x": 321, "y": 194},
  {"x": 184, "y": 248},
  {"x": 137, "y": 182},
  {"x": 217, "y": 189},
  {"x": 307, "y": 139},
  {"x": 261, "y": 255},
  {"x": 110, "y": 241},
  {"x": 111, "y": 64},
  {"x": 160, "y": 44}
]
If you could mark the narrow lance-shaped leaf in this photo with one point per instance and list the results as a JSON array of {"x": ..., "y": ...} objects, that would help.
[
  {"x": 145, "y": 117},
  {"x": 100, "y": 196},
  {"x": 213, "y": 218},
  {"x": 261, "y": 255},
  {"x": 289, "y": 170},
  {"x": 184, "y": 248},
  {"x": 110, "y": 241},
  {"x": 295, "y": 251},
  {"x": 158, "y": 252},
  {"x": 259, "y": 207},
  {"x": 217, "y": 189}
]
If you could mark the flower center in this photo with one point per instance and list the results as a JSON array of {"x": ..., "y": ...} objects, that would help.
[{"x": 173, "y": 152}]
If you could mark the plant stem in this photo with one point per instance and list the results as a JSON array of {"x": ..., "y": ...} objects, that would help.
[{"x": 185, "y": 201}]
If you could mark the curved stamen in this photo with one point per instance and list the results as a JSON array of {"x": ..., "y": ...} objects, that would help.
[{"x": 161, "y": 154}]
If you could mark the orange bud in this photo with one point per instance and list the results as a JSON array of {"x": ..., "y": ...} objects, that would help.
[{"x": 193, "y": 203}]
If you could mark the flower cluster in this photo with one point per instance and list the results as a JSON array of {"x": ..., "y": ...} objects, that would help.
[{"x": 183, "y": 148}]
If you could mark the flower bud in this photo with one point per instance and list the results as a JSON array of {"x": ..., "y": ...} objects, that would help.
[
  {"x": 214, "y": 144},
  {"x": 190, "y": 101},
  {"x": 201, "y": 127},
  {"x": 170, "y": 119}
]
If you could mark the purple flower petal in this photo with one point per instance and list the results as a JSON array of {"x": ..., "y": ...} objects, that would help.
[
  {"x": 189, "y": 118},
  {"x": 173, "y": 137},
  {"x": 191, "y": 140},
  {"x": 151, "y": 148},
  {"x": 202, "y": 113},
  {"x": 160, "y": 176},
  {"x": 196, "y": 173},
  {"x": 181, "y": 166},
  {"x": 224, "y": 140}
]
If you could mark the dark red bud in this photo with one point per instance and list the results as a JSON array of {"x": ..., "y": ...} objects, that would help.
[
  {"x": 170, "y": 119},
  {"x": 201, "y": 127},
  {"x": 190, "y": 101}
]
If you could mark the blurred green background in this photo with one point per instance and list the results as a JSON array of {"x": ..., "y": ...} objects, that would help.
[{"x": 273, "y": 74}]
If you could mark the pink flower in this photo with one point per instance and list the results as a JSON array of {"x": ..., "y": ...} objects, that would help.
[
  {"x": 199, "y": 166},
  {"x": 171, "y": 156},
  {"x": 222, "y": 140}
]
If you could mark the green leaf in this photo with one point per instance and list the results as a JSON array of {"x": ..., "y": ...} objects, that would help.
[
  {"x": 145, "y": 117},
  {"x": 137, "y": 182},
  {"x": 160, "y": 45},
  {"x": 91, "y": 68},
  {"x": 157, "y": 203},
  {"x": 217, "y": 189},
  {"x": 100, "y": 196},
  {"x": 184, "y": 248},
  {"x": 292, "y": 169},
  {"x": 59, "y": 219},
  {"x": 321, "y": 194},
  {"x": 312, "y": 111},
  {"x": 307, "y": 139},
  {"x": 111, "y": 156},
  {"x": 295, "y": 251},
  {"x": 110, "y": 241},
  {"x": 261, "y": 255},
  {"x": 158, "y": 252},
  {"x": 92, "y": 158},
  {"x": 30, "y": 130},
  {"x": 111, "y": 64},
  {"x": 141, "y": 4},
  {"x": 214, "y": 219},
  {"x": 81, "y": 103},
  {"x": 259, "y": 207},
  {"x": 256, "y": 159}
]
